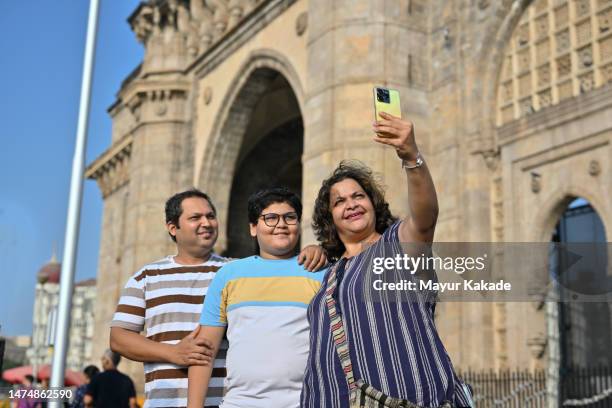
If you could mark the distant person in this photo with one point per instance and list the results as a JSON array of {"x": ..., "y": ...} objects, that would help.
[
  {"x": 27, "y": 402},
  {"x": 110, "y": 389},
  {"x": 163, "y": 301},
  {"x": 90, "y": 372},
  {"x": 43, "y": 384}
]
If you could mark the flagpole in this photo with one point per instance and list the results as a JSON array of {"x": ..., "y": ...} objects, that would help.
[{"x": 74, "y": 209}]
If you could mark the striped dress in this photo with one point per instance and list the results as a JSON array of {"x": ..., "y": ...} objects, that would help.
[
  {"x": 393, "y": 341},
  {"x": 165, "y": 300}
]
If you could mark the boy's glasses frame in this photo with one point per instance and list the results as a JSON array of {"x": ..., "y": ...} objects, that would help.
[{"x": 272, "y": 219}]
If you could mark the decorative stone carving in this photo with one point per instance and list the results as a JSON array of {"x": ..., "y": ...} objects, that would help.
[
  {"x": 564, "y": 65},
  {"x": 544, "y": 75},
  {"x": 543, "y": 51},
  {"x": 594, "y": 168},
  {"x": 605, "y": 49},
  {"x": 301, "y": 24},
  {"x": 542, "y": 27},
  {"x": 111, "y": 170},
  {"x": 508, "y": 92},
  {"x": 527, "y": 107},
  {"x": 605, "y": 20},
  {"x": 583, "y": 32},
  {"x": 524, "y": 60},
  {"x": 606, "y": 73},
  {"x": 565, "y": 90},
  {"x": 236, "y": 11},
  {"x": 491, "y": 158},
  {"x": 585, "y": 56},
  {"x": 161, "y": 109},
  {"x": 536, "y": 182},
  {"x": 563, "y": 41},
  {"x": 207, "y": 95},
  {"x": 561, "y": 16},
  {"x": 582, "y": 8},
  {"x": 448, "y": 41},
  {"x": 537, "y": 345},
  {"x": 545, "y": 98},
  {"x": 587, "y": 82},
  {"x": 220, "y": 15},
  {"x": 483, "y": 4},
  {"x": 523, "y": 34},
  {"x": 525, "y": 85}
]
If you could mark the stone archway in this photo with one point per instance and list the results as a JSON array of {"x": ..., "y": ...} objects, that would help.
[
  {"x": 266, "y": 99},
  {"x": 583, "y": 328},
  {"x": 274, "y": 161}
]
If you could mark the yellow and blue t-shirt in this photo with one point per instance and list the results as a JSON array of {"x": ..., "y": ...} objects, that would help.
[{"x": 263, "y": 303}]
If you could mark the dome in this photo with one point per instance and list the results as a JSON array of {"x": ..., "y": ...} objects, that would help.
[{"x": 50, "y": 272}]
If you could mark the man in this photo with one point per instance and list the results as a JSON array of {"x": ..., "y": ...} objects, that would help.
[
  {"x": 165, "y": 300},
  {"x": 262, "y": 301},
  {"x": 110, "y": 389}
]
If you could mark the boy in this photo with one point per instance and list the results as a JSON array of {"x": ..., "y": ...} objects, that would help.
[{"x": 262, "y": 301}]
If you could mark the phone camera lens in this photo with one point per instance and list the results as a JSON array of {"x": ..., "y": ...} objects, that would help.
[{"x": 383, "y": 95}]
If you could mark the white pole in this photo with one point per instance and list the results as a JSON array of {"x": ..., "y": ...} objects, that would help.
[{"x": 74, "y": 209}]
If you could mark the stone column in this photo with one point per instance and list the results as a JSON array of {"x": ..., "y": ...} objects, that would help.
[
  {"x": 353, "y": 46},
  {"x": 149, "y": 160}
]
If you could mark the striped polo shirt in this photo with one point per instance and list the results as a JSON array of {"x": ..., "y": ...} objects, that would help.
[
  {"x": 393, "y": 341},
  {"x": 165, "y": 300},
  {"x": 263, "y": 304}
]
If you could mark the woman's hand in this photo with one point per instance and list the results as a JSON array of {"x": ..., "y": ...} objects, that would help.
[{"x": 398, "y": 133}]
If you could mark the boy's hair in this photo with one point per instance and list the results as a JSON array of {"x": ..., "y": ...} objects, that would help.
[
  {"x": 263, "y": 198},
  {"x": 174, "y": 207}
]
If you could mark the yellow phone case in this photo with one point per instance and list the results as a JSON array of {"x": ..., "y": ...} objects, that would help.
[{"x": 393, "y": 107}]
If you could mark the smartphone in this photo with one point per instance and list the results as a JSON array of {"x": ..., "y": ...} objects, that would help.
[{"x": 386, "y": 100}]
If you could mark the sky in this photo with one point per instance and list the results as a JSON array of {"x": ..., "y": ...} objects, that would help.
[{"x": 42, "y": 44}]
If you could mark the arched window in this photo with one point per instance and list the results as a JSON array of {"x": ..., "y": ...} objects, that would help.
[
  {"x": 559, "y": 49},
  {"x": 585, "y": 327}
]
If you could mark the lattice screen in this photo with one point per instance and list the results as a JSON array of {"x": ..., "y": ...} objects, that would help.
[{"x": 560, "y": 49}]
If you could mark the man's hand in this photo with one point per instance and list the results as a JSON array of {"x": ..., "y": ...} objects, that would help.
[
  {"x": 192, "y": 350},
  {"x": 313, "y": 258},
  {"x": 397, "y": 133}
]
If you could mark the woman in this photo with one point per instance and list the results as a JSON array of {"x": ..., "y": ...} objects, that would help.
[
  {"x": 392, "y": 341},
  {"x": 90, "y": 372}
]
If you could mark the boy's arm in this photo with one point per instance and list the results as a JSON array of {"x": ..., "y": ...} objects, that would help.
[
  {"x": 199, "y": 376},
  {"x": 312, "y": 258}
]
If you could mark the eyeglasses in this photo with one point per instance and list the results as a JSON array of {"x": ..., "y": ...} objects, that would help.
[{"x": 272, "y": 219}]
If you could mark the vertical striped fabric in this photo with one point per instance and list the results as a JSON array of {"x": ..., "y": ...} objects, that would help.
[
  {"x": 394, "y": 345},
  {"x": 165, "y": 300}
]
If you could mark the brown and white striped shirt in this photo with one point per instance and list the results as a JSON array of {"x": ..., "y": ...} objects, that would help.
[{"x": 165, "y": 300}]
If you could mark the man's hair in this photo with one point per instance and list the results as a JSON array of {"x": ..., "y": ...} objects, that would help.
[
  {"x": 115, "y": 358},
  {"x": 174, "y": 207},
  {"x": 91, "y": 371},
  {"x": 322, "y": 221},
  {"x": 263, "y": 198},
  {"x": 29, "y": 377}
]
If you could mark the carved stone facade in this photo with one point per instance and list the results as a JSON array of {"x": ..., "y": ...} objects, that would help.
[{"x": 220, "y": 76}]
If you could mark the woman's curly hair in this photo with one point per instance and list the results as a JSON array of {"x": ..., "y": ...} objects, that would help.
[{"x": 322, "y": 221}]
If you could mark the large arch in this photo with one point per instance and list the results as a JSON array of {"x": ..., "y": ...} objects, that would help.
[
  {"x": 552, "y": 209},
  {"x": 222, "y": 153}
]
